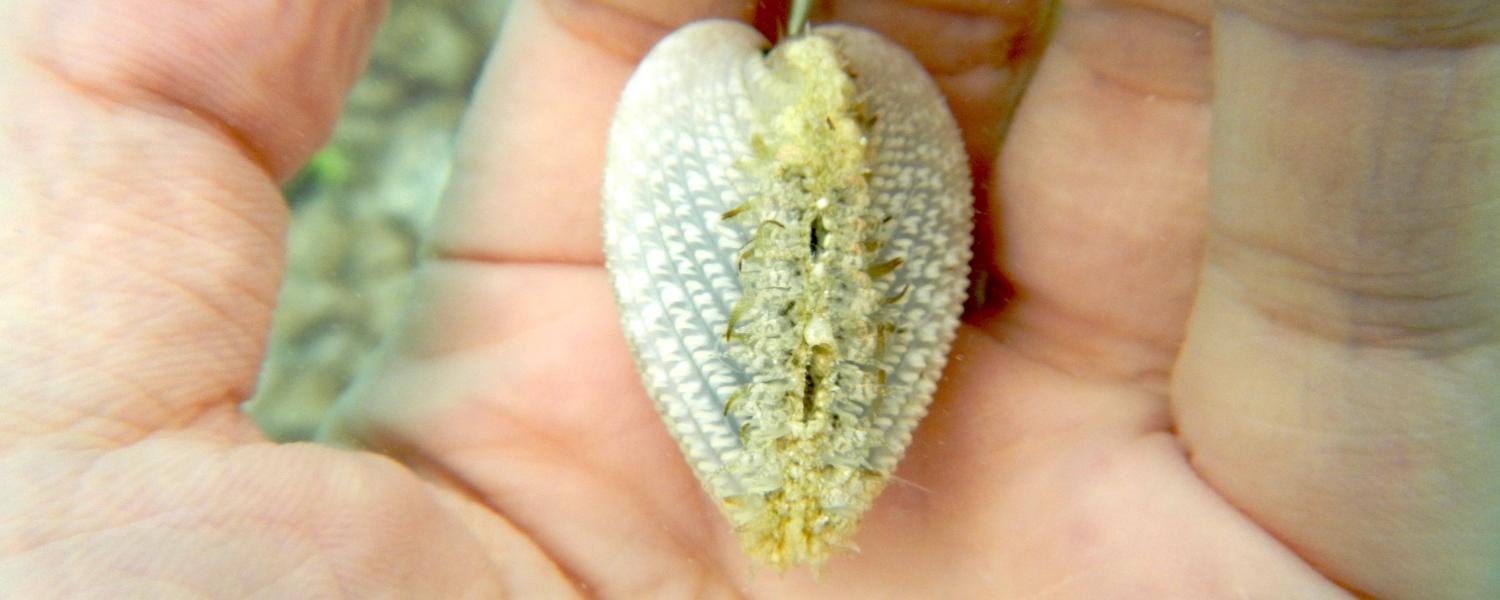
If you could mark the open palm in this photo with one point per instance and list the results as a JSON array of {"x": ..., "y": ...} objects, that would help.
[{"x": 1263, "y": 394}]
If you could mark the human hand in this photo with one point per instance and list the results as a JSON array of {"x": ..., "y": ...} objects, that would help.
[{"x": 1324, "y": 418}]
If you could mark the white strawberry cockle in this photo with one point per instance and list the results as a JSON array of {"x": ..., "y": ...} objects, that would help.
[{"x": 788, "y": 235}]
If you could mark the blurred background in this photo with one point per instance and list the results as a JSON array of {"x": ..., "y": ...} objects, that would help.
[{"x": 361, "y": 205}]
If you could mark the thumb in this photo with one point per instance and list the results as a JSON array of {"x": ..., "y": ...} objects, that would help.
[{"x": 140, "y": 251}]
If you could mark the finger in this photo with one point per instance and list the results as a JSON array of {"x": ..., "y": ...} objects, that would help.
[
  {"x": 143, "y": 143},
  {"x": 531, "y": 154},
  {"x": 1099, "y": 192},
  {"x": 1340, "y": 380}
]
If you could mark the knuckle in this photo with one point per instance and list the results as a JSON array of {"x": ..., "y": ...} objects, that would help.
[
  {"x": 1427, "y": 310},
  {"x": 1384, "y": 23}
]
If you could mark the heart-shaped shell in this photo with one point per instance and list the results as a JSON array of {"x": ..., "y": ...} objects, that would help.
[{"x": 788, "y": 234}]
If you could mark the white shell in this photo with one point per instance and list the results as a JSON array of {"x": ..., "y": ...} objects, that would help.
[{"x": 678, "y": 147}]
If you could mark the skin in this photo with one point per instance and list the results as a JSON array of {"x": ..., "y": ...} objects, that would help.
[{"x": 1254, "y": 363}]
